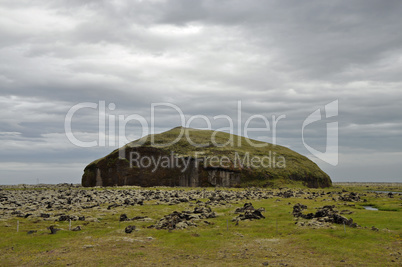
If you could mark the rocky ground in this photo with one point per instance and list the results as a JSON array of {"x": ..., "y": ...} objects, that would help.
[
  {"x": 50, "y": 201},
  {"x": 50, "y": 209},
  {"x": 70, "y": 202}
]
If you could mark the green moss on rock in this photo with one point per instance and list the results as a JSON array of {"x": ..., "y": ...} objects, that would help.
[{"x": 287, "y": 166}]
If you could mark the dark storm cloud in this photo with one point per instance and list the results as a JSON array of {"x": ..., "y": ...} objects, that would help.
[
  {"x": 276, "y": 57},
  {"x": 316, "y": 35}
]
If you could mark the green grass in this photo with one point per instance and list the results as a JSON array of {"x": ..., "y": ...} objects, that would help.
[{"x": 276, "y": 239}]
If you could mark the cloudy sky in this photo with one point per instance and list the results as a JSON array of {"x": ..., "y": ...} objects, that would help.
[{"x": 286, "y": 58}]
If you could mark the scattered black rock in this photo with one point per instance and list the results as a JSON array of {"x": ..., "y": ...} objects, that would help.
[
  {"x": 53, "y": 230},
  {"x": 63, "y": 218},
  {"x": 17, "y": 213},
  {"x": 325, "y": 214},
  {"x": 124, "y": 218},
  {"x": 138, "y": 218},
  {"x": 181, "y": 220},
  {"x": 297, "y": 209},
  {"x": 246, "y": 206},
  {"x": 77, "y": 228},
  {"x": 203, "y": 211},
  {"x": 286, "y": 194},
  {"x": 66, "y": 198},
  {"x": 351, "y": 197},
  {"x": 249, "y": 213},
  {"x": 175, "y": 220},
  {"x": 129, "y": 229},
  {"x": 113, "y": 206},
  {"x": 90, "y": 207}
]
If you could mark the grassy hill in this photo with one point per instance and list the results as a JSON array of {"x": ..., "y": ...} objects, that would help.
[{"x": 260, "y": 163}]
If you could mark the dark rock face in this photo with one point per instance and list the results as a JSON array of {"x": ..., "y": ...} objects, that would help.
[
  {"x": 112, "y": 171},
  {"x": 188, "y": 172}
]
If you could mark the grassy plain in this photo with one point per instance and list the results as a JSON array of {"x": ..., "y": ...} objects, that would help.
[{"x": 273, "y": 241}]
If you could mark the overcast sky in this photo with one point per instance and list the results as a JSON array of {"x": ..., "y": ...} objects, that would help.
[{"x": 277, "y": 57}]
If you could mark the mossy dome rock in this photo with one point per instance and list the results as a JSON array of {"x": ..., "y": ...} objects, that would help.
[{"x": 191, "y": 157}]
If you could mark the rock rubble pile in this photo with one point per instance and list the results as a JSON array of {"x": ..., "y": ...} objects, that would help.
[{"x": 325, "y": 214}]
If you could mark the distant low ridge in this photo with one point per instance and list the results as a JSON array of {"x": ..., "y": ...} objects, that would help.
[{"x": 191, "y": 157}]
